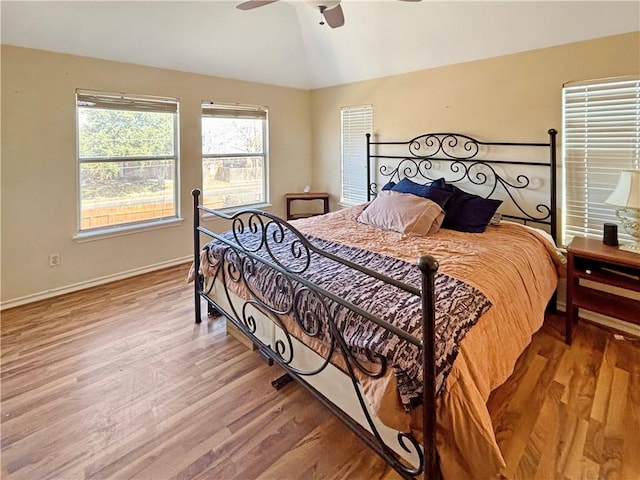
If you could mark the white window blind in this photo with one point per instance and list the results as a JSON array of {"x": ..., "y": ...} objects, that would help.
[
  {"x": 356, "y": 122},
  {"x": 211, "y": 109},
  {"x": 124, "y": 102},
  {"x": 601, "y": 137}
]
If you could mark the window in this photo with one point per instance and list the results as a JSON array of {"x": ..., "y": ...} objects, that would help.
[
  {"x": 127, "y": 159},
  {"x": 356, "y": 122},
  {"x": 601, "y": 137},
  {"x": 234, "y": 158}
]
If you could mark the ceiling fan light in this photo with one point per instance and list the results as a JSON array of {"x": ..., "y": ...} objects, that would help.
[
  {"x": 327, "y": 4},
  {"x": 334, "y": 16}
]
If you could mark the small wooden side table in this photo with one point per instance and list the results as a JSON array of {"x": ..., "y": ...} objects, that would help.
[
  {"x": 291, "y": 197},
  {"x": 590, "y": 259}
]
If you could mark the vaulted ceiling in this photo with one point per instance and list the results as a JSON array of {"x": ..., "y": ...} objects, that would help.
[{"x": 283, "y": 43}]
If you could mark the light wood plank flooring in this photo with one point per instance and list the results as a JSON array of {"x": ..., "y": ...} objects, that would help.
[{"x": 118, "y": 382}]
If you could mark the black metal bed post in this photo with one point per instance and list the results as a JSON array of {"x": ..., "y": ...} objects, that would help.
[
  {"x": 196, "y": 252},
  {"x": 368, "y": 166},
  {"x": 553, "y": 303},
  {"x": 429, "y": 266},
  {"x": 553, "y": 183}
]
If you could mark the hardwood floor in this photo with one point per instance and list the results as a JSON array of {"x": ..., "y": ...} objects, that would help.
[{"x": 118, "y": 382}]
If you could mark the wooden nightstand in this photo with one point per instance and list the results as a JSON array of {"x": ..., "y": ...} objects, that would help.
[
  {"x": 592, "y": 260},
  {"x": 290, "y": 197}
]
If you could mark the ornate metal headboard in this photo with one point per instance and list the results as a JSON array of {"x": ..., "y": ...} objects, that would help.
[{"x": 463, "y": 159}]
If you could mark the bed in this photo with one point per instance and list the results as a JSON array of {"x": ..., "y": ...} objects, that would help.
[{"x": 402, "y": 332}]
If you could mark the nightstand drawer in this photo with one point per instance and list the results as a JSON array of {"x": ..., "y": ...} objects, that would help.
[{"x": 622, "y": 308}]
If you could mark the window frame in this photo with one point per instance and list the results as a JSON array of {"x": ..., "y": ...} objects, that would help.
[
  {"x": 128, "y": 102},
  {"x": 355, "y": 122},
  {"x": 600, "y": 137},
  {"x": 237, "y": 110}
]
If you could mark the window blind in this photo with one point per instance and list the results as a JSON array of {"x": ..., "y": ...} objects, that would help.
[
  {"x": 601, "y": 137},
  {"x": 122, "y": 101},
  {"x": 211, "y": 109},
  {"x": 356, "y": 122}
]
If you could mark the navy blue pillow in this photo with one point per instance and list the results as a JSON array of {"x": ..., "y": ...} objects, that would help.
[
  {"x": 441, "y": 183},
  {"x": 389, "y": 185},
  {"x": 409, "y": 186},
  {"x": 433, "y": 191},
  {"x": 466, "y": 212}
]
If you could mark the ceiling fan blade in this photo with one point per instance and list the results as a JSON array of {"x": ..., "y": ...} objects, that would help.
[
  {"x": 254, "y": 4},
  {"x": 334, "y": 16}
]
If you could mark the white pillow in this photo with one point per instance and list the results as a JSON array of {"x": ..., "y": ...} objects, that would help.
[{"x": 403, "y": 213}]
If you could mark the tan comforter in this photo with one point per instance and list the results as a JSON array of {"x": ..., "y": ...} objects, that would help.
[{"x": 517, "y": 270}]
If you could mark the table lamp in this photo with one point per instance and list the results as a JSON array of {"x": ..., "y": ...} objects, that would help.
[{"x": 626, "y": 197}]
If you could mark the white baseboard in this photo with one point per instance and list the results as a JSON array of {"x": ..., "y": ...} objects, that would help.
[{"x": 54, "y": 292}]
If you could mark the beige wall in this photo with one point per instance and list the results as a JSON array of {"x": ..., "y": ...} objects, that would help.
[
  {"x": 510, "y": 98},
  {"x": 514, "y": 97},
  {"x": 39, "y": 164}
]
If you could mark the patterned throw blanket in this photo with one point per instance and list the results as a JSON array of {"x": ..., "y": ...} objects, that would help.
[{"x": 458, "y": 305}]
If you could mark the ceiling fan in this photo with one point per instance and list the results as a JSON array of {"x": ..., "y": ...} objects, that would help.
[{"x": 330, "y": 10}]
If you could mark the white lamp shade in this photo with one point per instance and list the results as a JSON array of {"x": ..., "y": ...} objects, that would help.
[{"x": 627, "y": 192}]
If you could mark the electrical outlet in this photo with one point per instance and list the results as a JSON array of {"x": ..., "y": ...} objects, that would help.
[{"x": 54, "y": 260}]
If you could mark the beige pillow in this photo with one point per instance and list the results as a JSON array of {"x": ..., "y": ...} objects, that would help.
[{"x": 403, "y": 213}]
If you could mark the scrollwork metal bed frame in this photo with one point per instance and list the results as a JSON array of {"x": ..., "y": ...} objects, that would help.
[{"x": 241, "y": 260}]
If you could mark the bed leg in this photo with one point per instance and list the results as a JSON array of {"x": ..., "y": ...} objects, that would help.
[
  {"x": 196, "y": 253},
  {"x": 213, "y": 311},
  {"x": 198, "y": 308},
  {"x": 552, "y": 306},
  {"x": 281, "y": 381}
]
